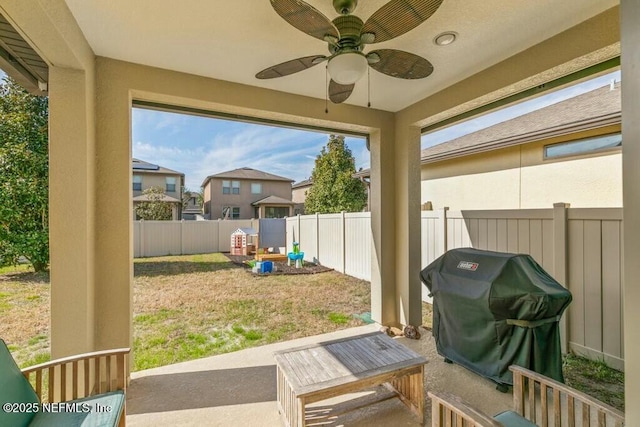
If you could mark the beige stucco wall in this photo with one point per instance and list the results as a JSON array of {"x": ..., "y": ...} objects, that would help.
[
  {"x": 593, "y": 182},
  {"x": 216, "y": 200},
  {"x": 519, "y": 177},
  {"x": 159, "y": 180},
  {"x": 298, "y": 195}
]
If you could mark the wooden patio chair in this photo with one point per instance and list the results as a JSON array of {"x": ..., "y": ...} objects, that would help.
[
  {"x": 537, "y": 401},
  {"x": 88, "y": 389}
]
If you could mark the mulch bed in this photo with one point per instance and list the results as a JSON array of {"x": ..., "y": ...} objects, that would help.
[{"x": 281, "y": 267}]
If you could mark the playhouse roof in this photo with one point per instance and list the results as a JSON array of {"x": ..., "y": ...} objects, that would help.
[{"x": 245, "y": 230}]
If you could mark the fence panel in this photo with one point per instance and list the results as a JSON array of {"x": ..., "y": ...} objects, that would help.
[
  {"x": 520, "y": 231},
  {"x": 200, "y": 237},
  {"x": 358, "y": 242},
  {"x": 308, "y": 237},
  {"x": 595, "y": 280},
  {"x": 330, "y": 241},
  {"x": 160, "y": 238}
]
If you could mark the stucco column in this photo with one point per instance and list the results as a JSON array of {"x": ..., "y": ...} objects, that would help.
[
  {"x": 408, "y": 234},
  {"x": 383, "y": 218},
  {"x": 630, "y": 34},
  {"x": 114, "y": 212},
  {"x": 71, "y": 211}
]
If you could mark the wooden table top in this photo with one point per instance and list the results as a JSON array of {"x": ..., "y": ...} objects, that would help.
[{"x": 334, "y": 363}]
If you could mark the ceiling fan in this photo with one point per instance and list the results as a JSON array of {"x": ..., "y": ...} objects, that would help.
[{"x": 347, "y": 36}]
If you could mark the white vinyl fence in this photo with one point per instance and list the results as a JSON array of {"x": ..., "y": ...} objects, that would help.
[
  {"x": 581, "y": 248},
  {"x": 158, "y": 238}
]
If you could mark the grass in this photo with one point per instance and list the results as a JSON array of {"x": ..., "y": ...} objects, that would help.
[
  {"x": 595, "y": 378},
  {"x": 188, "y": 307}
]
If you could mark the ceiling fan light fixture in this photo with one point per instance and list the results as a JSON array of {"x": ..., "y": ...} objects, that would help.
[
  {"x": 446, "y": 38},
  {"x": 347, "y": 68}
]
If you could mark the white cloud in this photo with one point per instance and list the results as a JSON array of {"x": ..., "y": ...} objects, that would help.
[{"x": 285, "y": 152}]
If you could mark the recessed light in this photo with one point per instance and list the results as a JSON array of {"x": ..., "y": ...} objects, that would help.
[{"x": 446, "y": 38}]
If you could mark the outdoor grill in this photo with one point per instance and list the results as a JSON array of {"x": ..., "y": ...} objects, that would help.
[{"x": 492, "y": 310}]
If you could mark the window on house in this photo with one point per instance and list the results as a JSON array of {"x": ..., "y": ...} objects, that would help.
[
  {"x": 276, "y": 212},
  {"x": 137, "y": 182},
  {"x": 230, "y": 187},
  {"x": 583, "y": 146},
  {"x": 231, "y": 212},
  {"x": 256, "y": 188},
  {"x": 170, "y": 184}
]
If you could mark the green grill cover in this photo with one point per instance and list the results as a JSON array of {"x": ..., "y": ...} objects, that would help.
[{"x": 492, "y": 310}]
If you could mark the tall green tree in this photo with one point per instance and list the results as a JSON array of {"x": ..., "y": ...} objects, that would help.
[
  {"x": 155, "y": 208},
  {"x": 334, "y": 188},
  {"x": 24, "y": 175}
]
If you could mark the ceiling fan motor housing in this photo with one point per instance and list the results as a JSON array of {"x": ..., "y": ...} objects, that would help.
[{"x": 350, "y": 27}]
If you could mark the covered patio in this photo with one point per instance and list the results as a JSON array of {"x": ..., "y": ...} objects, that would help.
[
  {"x": 240, "y": 389},
  {"x": 201, "y": 57}
]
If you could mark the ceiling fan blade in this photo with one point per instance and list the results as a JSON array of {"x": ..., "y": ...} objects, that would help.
[
  {"x": 305, "y": 17},
  {"x": 290, "y": 67},
  {"x": 339, "y": 93},
  {"x": 399, "y": 16},
  {"x": 400, "y": 64}
]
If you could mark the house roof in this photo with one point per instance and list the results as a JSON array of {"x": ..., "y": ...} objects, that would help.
[
  {"x": 304, "y": 183},
  {"x": 165, "y": 198},
  {"x": 273, "y": 200},
  {"x": 246, "y": 173},
  {"x": 597, "y": 108},
  {"x": 140, "y": 166}
]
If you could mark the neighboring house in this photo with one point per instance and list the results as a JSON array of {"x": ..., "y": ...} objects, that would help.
[
  {"x": 567, "y": 152},
  {"x": 191, "y": 206},
  {"x": 299, "y": 195},
  {"x": 301, "y": 188},
  {"x": 147, "y": 175},
  {"x": 247, "y": 193}
]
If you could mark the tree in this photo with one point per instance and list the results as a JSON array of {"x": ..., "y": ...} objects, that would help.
[
  {"x": 24, "y": 176},
  {"x": 334, "y": 188},
  {"x": 155, "y": 208}
]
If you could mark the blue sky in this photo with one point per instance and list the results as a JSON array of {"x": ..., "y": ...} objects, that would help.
[{"x": 200, "y": 146}]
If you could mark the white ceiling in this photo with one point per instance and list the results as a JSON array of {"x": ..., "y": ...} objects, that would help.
[{"x": 234, "y": 39}]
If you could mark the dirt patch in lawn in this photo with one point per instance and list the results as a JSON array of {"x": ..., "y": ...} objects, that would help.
[{"x": 280, "y": 267}]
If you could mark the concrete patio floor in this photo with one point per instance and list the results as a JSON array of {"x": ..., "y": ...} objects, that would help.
[{"x": 239, "y": 389}]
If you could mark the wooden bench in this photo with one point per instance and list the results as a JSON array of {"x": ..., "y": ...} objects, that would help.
[
  {"x": 88, "y": 389},
  {"x": 537, "y": 401},
  {"x": 318, "y": 372}
]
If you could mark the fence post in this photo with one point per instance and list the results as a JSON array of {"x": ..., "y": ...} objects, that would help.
[
  {"x": 182, "y": 237},
  {"x": 560, "y": 267},
  {"x": 318, "y": 237},
  {"x": 344, "y": 243},
  {"x": 141, "y": 234},
  {"x": 442, "y": 243},
  {"x": 299, "y": 237}
]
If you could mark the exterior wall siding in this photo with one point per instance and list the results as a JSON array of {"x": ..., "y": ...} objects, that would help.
[
  {"x": 520, "y": 178},
  {"x": 216, "y": 200}
]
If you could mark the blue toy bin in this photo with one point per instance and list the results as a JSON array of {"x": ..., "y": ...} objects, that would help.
[{"x": 266, "y": 267}]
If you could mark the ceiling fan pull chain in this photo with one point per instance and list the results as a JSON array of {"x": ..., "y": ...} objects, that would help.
[
  {"x": 326, "y": 89},
  {"x": 369, "y": 87}
]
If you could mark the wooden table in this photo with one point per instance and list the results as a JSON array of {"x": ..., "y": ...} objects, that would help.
[{"x": 320, "y": 371}]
